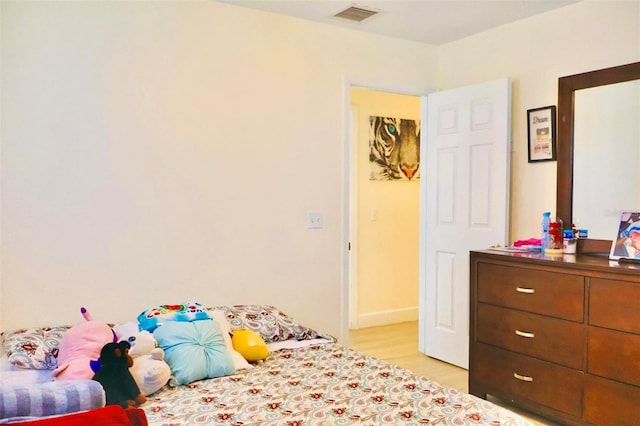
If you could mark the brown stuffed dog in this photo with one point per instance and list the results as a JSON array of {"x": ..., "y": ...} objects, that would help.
[{"x": 114, "y": 376}]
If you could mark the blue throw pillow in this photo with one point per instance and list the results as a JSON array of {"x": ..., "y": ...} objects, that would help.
[{"x": 194, "y": 350}]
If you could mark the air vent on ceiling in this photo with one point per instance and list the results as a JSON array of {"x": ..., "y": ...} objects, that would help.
[{"x": 356, "y": 14}]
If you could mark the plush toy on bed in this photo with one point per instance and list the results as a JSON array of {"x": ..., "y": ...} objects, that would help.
[
  {"x": 149, "y": 370},
  {"x": 250, "y": 345},
  {"x": 114, "y": 376},
  {"x": 80, "y": 345}
]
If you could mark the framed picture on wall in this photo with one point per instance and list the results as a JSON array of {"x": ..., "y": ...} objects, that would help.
[
  {"x": 394, "y": 148},
  {"x": 541, "y": 130}
]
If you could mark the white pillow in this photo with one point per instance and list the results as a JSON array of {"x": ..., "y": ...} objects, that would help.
[{"x": 238, "y": 360}]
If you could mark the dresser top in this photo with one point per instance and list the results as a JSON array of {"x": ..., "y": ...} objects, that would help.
[{"x": 590, "y": 262}]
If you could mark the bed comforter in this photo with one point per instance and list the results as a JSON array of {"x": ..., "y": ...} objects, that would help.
[{"x": 322, "y": 384}]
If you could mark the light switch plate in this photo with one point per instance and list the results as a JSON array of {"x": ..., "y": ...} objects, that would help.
[{"x": 314, "y": 220}]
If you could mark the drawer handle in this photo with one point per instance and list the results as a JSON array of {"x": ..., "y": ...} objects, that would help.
[
  {"x": 523, "y": 378},
  {"x": 525, "y": 290},
  {"x": 525, "y": 334}
]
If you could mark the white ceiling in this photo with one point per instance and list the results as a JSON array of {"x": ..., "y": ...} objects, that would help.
[{"x": 427, "y": 21}]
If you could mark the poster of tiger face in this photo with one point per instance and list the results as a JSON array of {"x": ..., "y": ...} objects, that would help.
[{"x": 394, "y": 148}]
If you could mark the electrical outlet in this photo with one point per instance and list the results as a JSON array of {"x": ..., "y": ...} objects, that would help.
[{"x": 314, "y": 220}]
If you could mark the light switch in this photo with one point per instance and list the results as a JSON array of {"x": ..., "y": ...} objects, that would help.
[{"x": 314, "y": 220}]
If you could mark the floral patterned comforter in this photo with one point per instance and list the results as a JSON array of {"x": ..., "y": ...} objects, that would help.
[{"x": 322, "y": 384}]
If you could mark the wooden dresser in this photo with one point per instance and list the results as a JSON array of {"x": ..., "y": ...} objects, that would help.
[{"x": 559, "y": 336}]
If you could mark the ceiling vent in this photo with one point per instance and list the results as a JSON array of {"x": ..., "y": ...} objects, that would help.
[{"x": 356, "y": 14}]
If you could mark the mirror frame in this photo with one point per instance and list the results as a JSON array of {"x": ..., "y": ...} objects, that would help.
[{"x": 566, "y": 91}]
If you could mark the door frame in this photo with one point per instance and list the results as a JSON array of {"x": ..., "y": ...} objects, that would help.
[{"x": 349, "y": 216}]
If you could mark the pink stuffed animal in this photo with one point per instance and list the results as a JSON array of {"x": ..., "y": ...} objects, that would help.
[{"x": 80, "y": 345}]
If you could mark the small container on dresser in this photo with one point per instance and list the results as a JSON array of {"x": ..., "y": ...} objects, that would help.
[{"x": 561, "y": 339}]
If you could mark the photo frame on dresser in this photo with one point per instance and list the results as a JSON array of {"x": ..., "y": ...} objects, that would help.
[{"x": 626, "y": 244}]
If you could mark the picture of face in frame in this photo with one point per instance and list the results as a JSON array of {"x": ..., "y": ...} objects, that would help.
[{"x": 626, "y": 244}]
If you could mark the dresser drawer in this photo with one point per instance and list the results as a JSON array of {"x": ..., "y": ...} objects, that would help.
[
  {"x": 615, "y": 304},
  {"x": 519, "y": 376},
  {"x": 610, "y": 403},
  {"x": 531, "y": 334},
  {"x": 548, "y": 293},
  {"x": 614, "y": 354}
]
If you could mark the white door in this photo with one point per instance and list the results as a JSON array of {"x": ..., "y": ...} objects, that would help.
[{"x": 465, "y": 205}]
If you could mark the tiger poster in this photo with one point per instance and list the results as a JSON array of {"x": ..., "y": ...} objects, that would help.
[{"x": 394, "y": 148}]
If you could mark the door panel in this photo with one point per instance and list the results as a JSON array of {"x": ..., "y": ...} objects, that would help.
[
  {"x": 480, "y": 181},
  {"x": 446, "y": 186},
  {"x": 445, "y": 308},
  {"x": 464, "y": 205}
]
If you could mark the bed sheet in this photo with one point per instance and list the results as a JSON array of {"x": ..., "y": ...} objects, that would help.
[{"x": 322, "y": 384}]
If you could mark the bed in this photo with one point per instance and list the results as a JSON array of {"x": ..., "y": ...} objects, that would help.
[{"x": 307, "y": 379}]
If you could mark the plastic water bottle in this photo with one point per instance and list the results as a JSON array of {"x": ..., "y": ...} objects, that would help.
[{"x": 545, "y": 238}]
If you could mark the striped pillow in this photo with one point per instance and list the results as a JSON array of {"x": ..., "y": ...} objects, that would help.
[{"x": 45, "y": 399}]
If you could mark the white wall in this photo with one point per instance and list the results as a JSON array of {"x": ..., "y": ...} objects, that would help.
[
  {"x": 154, "y": 152},
  {"x": 159, "y": 152},
  {"x": 534, "y": 53}
]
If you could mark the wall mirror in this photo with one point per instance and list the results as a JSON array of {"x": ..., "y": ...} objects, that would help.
[{"x": 598, "y": 167}]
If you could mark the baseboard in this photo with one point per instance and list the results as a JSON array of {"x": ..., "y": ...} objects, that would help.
[{"x": 374, "y": 319}]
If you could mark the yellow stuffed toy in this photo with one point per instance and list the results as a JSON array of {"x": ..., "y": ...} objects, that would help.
[{"x": 250, "y": 345}]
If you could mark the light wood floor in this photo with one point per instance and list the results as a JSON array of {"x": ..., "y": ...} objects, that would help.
[{"x": 398, "y": 344}]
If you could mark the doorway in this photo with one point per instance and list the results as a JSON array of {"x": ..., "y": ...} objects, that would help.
[
  {"x": 384, "y": 220},
  {"x": 467, "y": 173}
]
